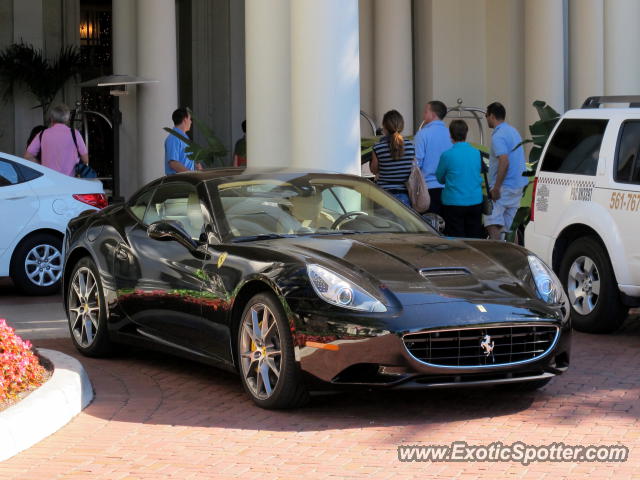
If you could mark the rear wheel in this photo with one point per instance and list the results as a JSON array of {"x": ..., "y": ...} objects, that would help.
[
  {"x": 36, "y": 266},
  {"x": 86, "y": 310},
  {"x": 266, "y": 358},
  {"x": 587, "y": 276}
]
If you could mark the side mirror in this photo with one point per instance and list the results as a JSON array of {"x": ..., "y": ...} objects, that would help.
[
  {"x": 171, "y": 230},
  {"x": 435, "y": 220}
]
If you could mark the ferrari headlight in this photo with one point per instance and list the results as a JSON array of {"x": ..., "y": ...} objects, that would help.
[
  {"x": 339, "y": 291},
  {"x": 547, "y": 284}
]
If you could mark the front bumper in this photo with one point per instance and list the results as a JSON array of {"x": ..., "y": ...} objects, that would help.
[{"x": 363, "y": 356}]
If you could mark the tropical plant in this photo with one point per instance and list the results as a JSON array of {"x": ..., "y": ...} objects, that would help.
[
  {"x": 212, "y": 154},
  {"x": 540, "y": 132},
  {"x": 23, "y": 64}
]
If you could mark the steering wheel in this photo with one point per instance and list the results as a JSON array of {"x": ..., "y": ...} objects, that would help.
[{"x": 344, "y": 216}]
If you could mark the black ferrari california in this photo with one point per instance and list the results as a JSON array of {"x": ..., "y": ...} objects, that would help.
[{"x": 303, "y": 281}]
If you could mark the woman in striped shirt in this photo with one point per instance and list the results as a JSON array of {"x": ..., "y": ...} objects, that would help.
[{"x": 393, "y": 157}]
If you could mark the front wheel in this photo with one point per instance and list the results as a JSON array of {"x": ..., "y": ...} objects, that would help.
[
  {"x": 265, "y": 352},
  {"x": 587, "y": 276}
]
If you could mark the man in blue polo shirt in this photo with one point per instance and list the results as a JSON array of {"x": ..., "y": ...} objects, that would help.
[
  {"x": 506, "y": 165},
  {"x": 432, "y": 141},
  {"x": 175, "y": 156}
]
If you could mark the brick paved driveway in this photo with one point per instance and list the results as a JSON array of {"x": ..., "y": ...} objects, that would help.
[{"x": 157, "y": 417}]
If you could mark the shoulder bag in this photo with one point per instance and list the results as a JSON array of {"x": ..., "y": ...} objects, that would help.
[
  {"x": 82, "y": 170},
  {"x": 417, "y": 190}
]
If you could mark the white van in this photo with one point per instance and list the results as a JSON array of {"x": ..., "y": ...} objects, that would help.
[{"x": 585, "y": 212}]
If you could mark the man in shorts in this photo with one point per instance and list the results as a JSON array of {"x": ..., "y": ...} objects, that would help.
[{"x": 506, "y": 165}]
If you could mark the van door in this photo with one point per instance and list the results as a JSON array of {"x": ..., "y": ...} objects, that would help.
[{"x": 623, "y": 198}]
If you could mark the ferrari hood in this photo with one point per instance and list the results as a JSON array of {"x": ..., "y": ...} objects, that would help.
[{"x": 422, "y": 268}]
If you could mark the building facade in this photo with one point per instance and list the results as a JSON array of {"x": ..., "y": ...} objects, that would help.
[{"x": 300, "y": 71}]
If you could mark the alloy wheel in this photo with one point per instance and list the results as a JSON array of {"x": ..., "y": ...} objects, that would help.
[
  {"x": 43, "y": 265},
  {"x": 260, "y": 351},
  {"x": 583, "y": 285},
  {"x": 84, "y": 307}
]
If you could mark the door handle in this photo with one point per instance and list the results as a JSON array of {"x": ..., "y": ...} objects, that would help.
[{"x": 17, "y": 198}]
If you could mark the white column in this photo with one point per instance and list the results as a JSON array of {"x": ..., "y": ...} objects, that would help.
[
  {"x": 325, "y": 85},
  {"x": 622, "y": 38},
  {"x": 125, "y": 62},
  {"x": 423, "y": 56},
  {"x": 268, "y": 76},
  {"x": 586, "y": 50},
  {"x": 365, "y": 8},
  {"x": 544, "y": 55},
  {"x": 393, "y": 59},
  {"x": 157, "y": 59}
]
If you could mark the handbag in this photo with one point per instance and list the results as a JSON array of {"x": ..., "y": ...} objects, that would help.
[
  {"x": 417, "y": 190},
  {"x": 487, "y": 203},
  {"x": 81, "y": 169}
]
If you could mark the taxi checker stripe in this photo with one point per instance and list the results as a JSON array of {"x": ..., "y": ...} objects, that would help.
[{"x": 565, "y": 182}]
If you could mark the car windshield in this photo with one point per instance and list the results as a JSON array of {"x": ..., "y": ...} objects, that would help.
[{"x": 261, "y": 207}]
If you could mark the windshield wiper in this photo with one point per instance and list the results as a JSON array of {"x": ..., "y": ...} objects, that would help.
[
  {"x": 332, "y": 232},
  {"x": 263, "y": 236}
]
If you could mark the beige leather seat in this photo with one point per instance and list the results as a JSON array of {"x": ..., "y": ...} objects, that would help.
[{"x": 308, "y": 211}]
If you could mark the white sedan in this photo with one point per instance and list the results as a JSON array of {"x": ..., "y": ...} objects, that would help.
[{"x": 36, "y": 203}]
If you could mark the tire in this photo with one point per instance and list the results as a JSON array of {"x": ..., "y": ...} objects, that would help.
[
  {"x": 36, "y": 265},
  {"x": 258, "y": 357},
  {"x": 587, "y": 277},
  {"x": 86, "y": 310}
]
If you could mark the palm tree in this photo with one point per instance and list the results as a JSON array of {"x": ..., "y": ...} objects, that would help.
[{"x": 22, "y": 63}]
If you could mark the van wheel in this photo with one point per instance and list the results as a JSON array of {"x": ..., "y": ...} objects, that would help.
[{"x": 587, "y": 277}]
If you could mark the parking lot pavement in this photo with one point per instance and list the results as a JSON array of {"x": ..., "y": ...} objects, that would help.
[
  {"x": 156, "y": 417},
  {"x": 32, "y": 317}
]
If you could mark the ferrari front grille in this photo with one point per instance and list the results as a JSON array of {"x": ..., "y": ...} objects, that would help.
[{"x": 482, "y": 346}]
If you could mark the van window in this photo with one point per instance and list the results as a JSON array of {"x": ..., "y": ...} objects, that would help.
[
  {"x": 575, "y": 147},
  {"x": 627, "y": 167}
]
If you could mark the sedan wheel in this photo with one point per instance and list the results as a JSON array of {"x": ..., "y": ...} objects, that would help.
[
  {"x": 86, "y": 310},
  {"x": 36, "y": 265},
  {"x": 265, "y": 352},
  {"x": 43, "y": 265}
]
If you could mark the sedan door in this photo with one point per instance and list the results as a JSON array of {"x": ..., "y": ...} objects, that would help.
[
  {"x": 18, "y": 205},
  {"x": 160, "y": 281}
]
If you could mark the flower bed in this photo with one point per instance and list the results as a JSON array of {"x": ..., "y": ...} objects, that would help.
[{"x": 20, "y": 369}]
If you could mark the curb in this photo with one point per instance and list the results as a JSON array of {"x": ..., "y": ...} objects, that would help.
[{"x": 47, "y": 409}]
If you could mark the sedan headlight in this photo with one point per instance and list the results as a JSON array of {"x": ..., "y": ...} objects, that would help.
[
  {"x": 547, "y": 284},
  {"x": 339, "y": 291}
]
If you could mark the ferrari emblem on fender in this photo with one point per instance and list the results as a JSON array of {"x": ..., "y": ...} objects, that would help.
[
  {"x": 222, "y": 258},
  {"x": 487, "y": 345}
]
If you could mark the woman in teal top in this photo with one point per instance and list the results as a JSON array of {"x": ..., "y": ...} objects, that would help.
[{"x": 460, "y": 172}]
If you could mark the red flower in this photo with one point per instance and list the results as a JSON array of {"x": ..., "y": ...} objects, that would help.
[{"x": 19, "y": 367}]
